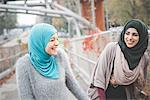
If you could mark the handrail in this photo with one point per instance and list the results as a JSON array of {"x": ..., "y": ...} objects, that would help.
[
  {"x": 44, "y": 10},
  {"x": 83, "y": 58},
  {"x": 13, "y": 56},
  {"x": 82, "y": 74},
  {"x": 9, "y": 70},
  {"x": 88, "y": 36}
]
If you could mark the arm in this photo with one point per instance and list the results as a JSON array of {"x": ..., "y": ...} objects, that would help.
[
  {"x": 71, "y": 82},
  {"x": 23, "y": 82},
  {"x": 75, "y": 88},
  {"x": 102, "y": 71}
]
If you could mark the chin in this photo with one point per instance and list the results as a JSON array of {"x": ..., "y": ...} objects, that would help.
[
  {"x": 54, "y": 53},
  {"x": 130, "y": 46}
]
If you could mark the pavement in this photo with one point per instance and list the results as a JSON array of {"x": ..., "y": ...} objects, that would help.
[{"x": 8, "y": 90}]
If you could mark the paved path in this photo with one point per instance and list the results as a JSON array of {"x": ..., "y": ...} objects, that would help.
[{"x": 8, "y": 91}]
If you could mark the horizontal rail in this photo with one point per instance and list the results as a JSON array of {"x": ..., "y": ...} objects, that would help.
[
  {"x": 6, "y": 72},
  {"x": 13, "y": 56},
  {"x": 93, "y": 35},
  {"x": 88, "y": 36},
  {"x": 9, "y": 70},
  {"x": 44, "y": 10},
  {"x": 81, "y": 74},
  {"x": 82, "y": 71},
  {"x": 83, "y": 58}
]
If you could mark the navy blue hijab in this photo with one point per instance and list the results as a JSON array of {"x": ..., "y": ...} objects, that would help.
[{"x": 134, "y": 54}]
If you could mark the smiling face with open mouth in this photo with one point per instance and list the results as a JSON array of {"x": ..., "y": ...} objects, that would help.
[
  {"x": 131, "y": 37},
  {"x": 52, "y": 45}
]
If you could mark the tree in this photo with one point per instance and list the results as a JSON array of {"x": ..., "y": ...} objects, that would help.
[
  {"x": 7, "y": 21},
  {"x": 119, "y": 11},
  {"x": 146, "y": 10}
]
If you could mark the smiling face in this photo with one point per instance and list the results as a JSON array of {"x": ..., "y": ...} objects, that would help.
[
  {"x": 52, "y": 45},
  {"x": 131, "y": 37}
]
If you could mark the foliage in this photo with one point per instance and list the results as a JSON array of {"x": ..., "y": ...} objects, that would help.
[
  {"x": 146, "y": 9},
  {"x": 59, "y": 23},
  {"x": 119, "y": 11},
  {"x": 73, "y": 5},
  {"x": 7, "y": 21}
]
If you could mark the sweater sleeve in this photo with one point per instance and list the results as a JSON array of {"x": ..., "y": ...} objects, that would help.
[
  {"x": 71, "y": 82},
  {"x": 23, "y": 82}
]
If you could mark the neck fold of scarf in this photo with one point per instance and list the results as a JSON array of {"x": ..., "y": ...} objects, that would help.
[{"x": 122, "y": 74}]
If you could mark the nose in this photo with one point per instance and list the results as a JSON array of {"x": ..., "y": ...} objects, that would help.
[
  {"x": 56, "y": 42},
  {"x": 130, "y": 37}
]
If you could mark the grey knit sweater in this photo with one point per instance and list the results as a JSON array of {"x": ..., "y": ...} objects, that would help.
[{"x": 33, "y": 86}]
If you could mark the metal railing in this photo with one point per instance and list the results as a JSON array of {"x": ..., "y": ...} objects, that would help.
[
  {"x": 7, "y": 62},
  {"x": 83, "y": 63}
]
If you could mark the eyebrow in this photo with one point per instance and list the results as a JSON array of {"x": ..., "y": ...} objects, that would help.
[
  {"x": 53, "y": 37},
  {"x": 133, "y": 32}
]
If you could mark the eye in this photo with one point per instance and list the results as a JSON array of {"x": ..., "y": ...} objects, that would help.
[
  {"x": 51, "y": 40},
  {"x": 135, "y": 34},
  {"x": 127, "y": 33}
]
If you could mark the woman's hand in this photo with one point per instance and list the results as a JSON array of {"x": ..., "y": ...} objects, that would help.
[{"x": 113, "y": 81}]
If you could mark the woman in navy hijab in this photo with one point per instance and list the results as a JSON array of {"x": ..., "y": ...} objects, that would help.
[{"x": 120, "y": 72}]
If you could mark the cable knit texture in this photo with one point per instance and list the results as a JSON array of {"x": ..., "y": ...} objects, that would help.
[{"x": 33, "y": 86}]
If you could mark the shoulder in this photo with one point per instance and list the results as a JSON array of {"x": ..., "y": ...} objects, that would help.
[
  {"x": 61, "y": 53},
  {"x": 62, "y": 57},
  {"x": 111, "y": 46},
  {"x": 22, "y": 62}
]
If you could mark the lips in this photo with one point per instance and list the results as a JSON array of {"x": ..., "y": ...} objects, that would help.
[
  {"x": 54, "y": 49},
  {"x": 130, "y": 42}
]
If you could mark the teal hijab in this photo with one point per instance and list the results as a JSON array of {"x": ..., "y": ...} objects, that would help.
[{"x": 44, "y": 63}]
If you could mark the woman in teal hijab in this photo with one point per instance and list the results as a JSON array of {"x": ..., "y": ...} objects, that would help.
[
  {"x": 44, "y": 63},
  {"x": 44, "y": 73}
]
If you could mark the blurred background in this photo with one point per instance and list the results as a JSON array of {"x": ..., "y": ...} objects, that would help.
[{"x": 84, "y": 28}]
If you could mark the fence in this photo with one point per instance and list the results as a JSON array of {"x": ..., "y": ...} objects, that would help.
[
  {"x": 84, "y": 51},
  {"x": 8, "y": 57}
]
